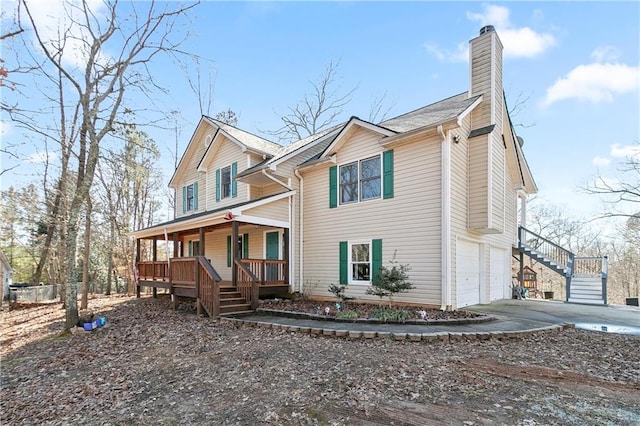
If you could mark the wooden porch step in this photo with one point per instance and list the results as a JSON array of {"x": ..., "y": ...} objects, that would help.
[
  {"x": 232, "y": 309},
  {"x": 233, "y": 301},
  {"x": 226, "y": 314}
]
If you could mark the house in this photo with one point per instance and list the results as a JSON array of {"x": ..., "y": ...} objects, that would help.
[
  {"x": 6, "y": 276},
  {"x": 437, "y": 188}
]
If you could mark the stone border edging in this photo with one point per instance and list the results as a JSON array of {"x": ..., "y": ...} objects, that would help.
[
  {"x": 302, "y": 315},
  {"x": 441, "y": 336}
]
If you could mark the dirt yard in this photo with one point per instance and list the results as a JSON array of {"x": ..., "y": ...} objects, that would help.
[{"x": 152, "y": 365}]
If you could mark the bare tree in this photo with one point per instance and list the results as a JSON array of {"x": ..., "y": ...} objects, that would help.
[
  {"x": 622, "y": 193},
  {"x": 317, "y": 110},
  {"x": 379, "y": 109},
  {"x": 99, "y": 84},
  {"x": 228, "y": 117}
]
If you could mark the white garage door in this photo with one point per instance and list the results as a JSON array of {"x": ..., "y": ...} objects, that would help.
[
  {"x": 467, "y": 273},
  {"x": 497, "y": 270}
]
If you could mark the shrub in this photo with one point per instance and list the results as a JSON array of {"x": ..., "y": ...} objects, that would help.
[
  {"x": 390, "y": 281},
  {"x": 391, "y": 314},
  {"x": 347, "y": 314}
]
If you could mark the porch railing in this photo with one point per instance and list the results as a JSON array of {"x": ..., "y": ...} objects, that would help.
[
  {"x": 546, "y": 249},
  {"x": 208, "y": 286},
  {"x": 153, "y": 271},
  {"x": 248, "y": 284},
  {"x": 590, "y": 266},
  {"x": 266, "y": 271}
]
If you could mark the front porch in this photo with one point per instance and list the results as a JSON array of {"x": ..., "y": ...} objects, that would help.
[
  {"x": 226, "y": 264},
  {"x": 194, "y": 277}
]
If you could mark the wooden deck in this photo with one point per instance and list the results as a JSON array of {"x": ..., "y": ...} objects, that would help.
[{"x": 195, "y": 278}]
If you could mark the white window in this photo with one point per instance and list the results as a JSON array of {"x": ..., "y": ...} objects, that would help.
[
  {"x": 360, "y": 262},
  {"x": 225, "y": 178},
  {"x": 191, "y": 200},
  {"x": 360, "y": 180}
]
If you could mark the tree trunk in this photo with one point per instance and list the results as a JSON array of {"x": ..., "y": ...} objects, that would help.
[{"x": 85, "y": 259}]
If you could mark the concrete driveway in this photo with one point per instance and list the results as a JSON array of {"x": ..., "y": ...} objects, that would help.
[{"x": 627, "y": 318}]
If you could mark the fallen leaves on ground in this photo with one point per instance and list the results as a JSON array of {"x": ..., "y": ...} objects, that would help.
[{"x": 153, "y": 365}]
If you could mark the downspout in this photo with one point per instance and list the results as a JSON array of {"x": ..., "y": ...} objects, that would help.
[
  {"x": 445, "y": 227},
  {"x": 301, "y": 229}
]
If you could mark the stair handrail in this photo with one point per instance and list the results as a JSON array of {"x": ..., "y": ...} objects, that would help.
[
  {"x": 209, "y": 297},
  {"x": 568, "y": 256},
  {"x": 253, "y": 295}
]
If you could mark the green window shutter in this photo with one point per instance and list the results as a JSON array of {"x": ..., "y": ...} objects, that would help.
[
  {"x": 333, "y": 187},
  {"x": 234, "y": 183},
  {"x": 190, "y": 249},
  {"x": 344, "y": 263},
  {"x": 387, "y": 174},
  {"x": 217, "y": 185},
  {"x": 184, "y": 199},
  {"x": 195, "y": 195},
  {"x": 245, "y": 246},
  {"x": 376, "y": 259},
  {"x": 228, "y": 251}
]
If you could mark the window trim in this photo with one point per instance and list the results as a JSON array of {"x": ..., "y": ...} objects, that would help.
[
  {"x": 359, "y": 180},
  {"x": 350, "y": 262},
  {"x": 191, "y": 203},
  {"x": 223, "y": 194}
]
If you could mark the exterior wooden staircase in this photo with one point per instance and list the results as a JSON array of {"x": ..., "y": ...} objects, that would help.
[{"x": 585, "y": 277}]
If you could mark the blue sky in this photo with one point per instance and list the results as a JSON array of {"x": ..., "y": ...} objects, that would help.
[{"x": 576, "y": 63}]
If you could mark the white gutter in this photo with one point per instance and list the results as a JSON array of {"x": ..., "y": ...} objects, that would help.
[
  {"x": 268, "y": 176},
  {"x": 446, "y": 219},
  {"x": 301, "y": 231}
]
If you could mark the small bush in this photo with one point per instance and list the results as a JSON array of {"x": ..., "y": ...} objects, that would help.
[
  {"x": 391, "y": 281},
  {"x": 387, "y": 314},
  {"x": 347, "y": 315}
]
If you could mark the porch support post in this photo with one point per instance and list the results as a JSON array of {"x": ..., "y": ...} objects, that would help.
[
  {"x": 234, "y": 253},
  {"x": 155, "y": 259},
  {"x": 176, "y": 242},
  {"x": 285, "y": 256},
  {"x": 521, "y": 273},
  {"x": 201, "y": 237},
  {"x": 136, "y": 265}
]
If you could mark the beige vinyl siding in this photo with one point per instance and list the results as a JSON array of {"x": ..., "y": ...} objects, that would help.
[
  {"x": 481, "y": 65},
  {"x": 478, "y": 183},
  {"x": 226, "y": 153},
  {"x": 277, "y": 210},
  {"x": 498, "y": 170},
  {"x": 189, "y": 173},
  {"x": 459, "y": 199},
  {"x": 408, "y": 224}
]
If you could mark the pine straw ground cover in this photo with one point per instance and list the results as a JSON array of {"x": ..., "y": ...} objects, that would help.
[
  {"x": 153, "y": 365},
  {"x": 361, "y": 310}
]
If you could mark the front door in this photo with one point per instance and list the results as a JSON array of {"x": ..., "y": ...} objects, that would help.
[{"x": 272, "y": 253}]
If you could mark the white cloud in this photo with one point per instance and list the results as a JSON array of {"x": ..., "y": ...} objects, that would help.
[
  {"x": 595, "y": 82},
  {"x": 55, "y": 17},
  {"x": 461, "y": 54},
  {"x": 601, "y": 161},
  {"x": 625, "y": 151},
  {"x": 5, "y": 127},
  {"x": 605, "y": 54},
  {"x": 518, "y": 42}
]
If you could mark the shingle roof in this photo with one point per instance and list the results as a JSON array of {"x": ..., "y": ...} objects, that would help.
[
  {"x": 429, "y": 115},
  {"x": 293, "y": 147},
  {"x": 249, "y": 139}
]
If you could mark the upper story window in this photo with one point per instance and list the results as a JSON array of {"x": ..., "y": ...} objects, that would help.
[
  {"x": 226, "y": 184},
  {"x": 360, "y": 180},
  {"x": 225, "y": 176},
  {"x": 190, "y": 197}
]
